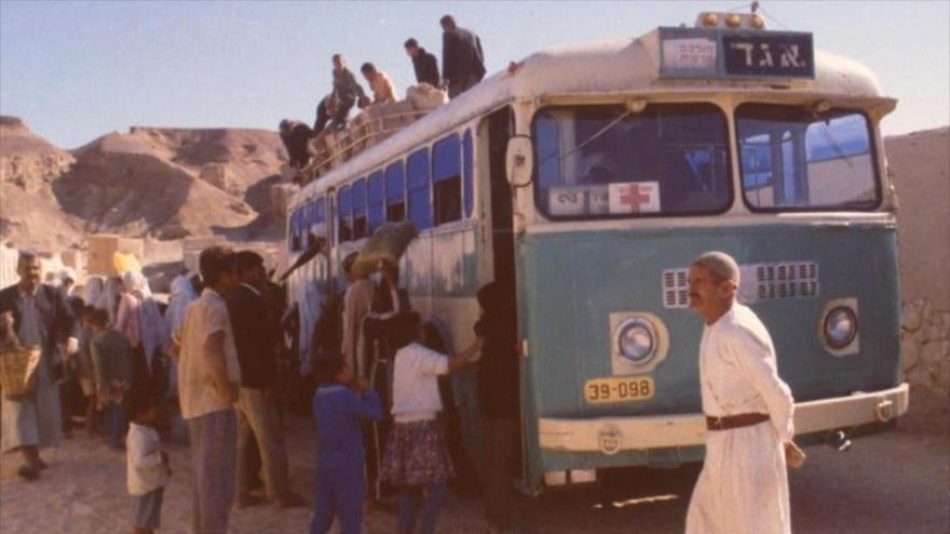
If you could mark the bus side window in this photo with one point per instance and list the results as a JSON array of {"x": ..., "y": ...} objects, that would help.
[
  {"x": 306, "y": 214},
  {"x": 360, "y": 226},
  {"x": 468, "y": 173},
  {"x": 420, "y": 206},
  {"x": 446, "y": 180},
  {"x": 318, "y": 223},
  {"x": 395, "y": 192},
  {"x": 377, "y": 207},
  {"x": 293, "y": 237},
  {"x": 345, "y": 213}
]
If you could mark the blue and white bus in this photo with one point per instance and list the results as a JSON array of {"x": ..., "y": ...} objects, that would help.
[{"x": 588, "y": 178}]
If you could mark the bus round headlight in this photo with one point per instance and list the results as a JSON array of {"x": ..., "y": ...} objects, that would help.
[
  {"x": 637, "y": 340},
  {"x": 841, "y": 327}
]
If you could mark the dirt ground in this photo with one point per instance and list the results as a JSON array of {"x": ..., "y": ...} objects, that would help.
[{"x": 893, "y": 482}]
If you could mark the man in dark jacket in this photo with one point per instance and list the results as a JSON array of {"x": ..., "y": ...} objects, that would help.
[
  {"x": 499, "y": 401},
  {"x": 113, "y": 370},
  {"x": 296, "y": 138},
  {"x": 40, "y": 318},
  {"x": 424, "y": 63},
  {"x": 463, "y": 63},
  {"x": 255, "y": 332}
]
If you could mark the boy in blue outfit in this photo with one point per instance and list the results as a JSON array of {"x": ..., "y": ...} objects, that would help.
[{"x": 340, "y": 406}]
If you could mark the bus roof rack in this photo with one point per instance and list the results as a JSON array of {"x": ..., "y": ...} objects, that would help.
[{"x": 371, "y": 126}]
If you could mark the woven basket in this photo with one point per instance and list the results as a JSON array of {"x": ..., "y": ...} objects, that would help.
[{"x": 18, "y": 370}]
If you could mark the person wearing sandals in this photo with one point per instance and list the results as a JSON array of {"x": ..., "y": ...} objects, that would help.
[{"x": 416, "y": 459}]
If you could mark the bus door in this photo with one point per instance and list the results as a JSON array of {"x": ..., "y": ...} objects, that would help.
[
  {"x": 500, "y": 125},
  {"x": 500, "y": 130}
]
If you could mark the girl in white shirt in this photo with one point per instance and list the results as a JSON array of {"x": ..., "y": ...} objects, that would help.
[
  {"x": 148, "y": 469},
  {"x": 416, "y": 458}
]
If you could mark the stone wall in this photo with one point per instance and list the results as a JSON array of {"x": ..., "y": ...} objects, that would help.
[{"x": 920, "y": 166}]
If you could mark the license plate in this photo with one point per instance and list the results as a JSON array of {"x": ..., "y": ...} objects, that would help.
[{"x": 618, "y": 389}]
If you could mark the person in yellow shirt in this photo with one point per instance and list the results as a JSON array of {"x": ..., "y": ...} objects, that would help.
[{"x": 383, "y": 89}]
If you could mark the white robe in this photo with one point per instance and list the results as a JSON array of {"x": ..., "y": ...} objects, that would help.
[{"x": 743, "y": 487}]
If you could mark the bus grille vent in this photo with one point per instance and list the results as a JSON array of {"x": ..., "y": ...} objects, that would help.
[
  {"x": 786, "y": 280},
  {"x": 676, "y": 288}
]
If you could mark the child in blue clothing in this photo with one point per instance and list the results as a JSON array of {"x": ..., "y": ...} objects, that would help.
[{"x": 340, "y": 405}]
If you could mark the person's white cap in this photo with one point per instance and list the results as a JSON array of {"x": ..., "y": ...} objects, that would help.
[{"x": 722, "y": 264}]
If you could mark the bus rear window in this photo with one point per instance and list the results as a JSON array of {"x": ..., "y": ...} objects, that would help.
[
  {"x": 609, "y": 162},
  {"x": 797, "y": 158}
]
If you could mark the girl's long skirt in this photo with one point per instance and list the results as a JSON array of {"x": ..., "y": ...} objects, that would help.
[{"x": 416, "y": 455}]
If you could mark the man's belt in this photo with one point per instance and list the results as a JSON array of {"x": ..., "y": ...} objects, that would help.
[{"x": 728, "y": 422}]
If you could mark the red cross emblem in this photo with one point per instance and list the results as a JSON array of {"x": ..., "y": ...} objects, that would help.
[{"x": 636, "y": 195}]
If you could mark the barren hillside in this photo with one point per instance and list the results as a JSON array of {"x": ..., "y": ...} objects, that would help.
[
  {"x": 29, "y": 212},
  {"x": 156, "y": 182}
]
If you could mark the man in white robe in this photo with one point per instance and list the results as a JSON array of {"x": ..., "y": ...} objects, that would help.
[{"x": 743, "y": 487}]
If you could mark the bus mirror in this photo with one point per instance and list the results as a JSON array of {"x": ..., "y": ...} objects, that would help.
[{"x": 519, "y": 161}]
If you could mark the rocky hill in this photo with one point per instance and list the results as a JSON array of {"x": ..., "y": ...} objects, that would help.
[
  {"x": 30, "y": 214},
  {"x": 150, "y": 182}
]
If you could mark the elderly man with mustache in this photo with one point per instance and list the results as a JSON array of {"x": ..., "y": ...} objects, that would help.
[{"x": 743, "y": 487}]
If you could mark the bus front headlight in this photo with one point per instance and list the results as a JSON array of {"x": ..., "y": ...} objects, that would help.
[
  {"x": 637, "y": 340},
  {"x": 840, "y": 327}
]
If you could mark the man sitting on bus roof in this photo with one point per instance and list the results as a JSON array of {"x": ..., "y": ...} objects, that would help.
[{"x": 336, "y": 107}]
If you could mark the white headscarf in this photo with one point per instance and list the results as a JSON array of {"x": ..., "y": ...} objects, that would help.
[
  {"x": 92, "y": 290},
  {"x": 182, "y": 293},
  {"x": 152, "y": 327},
  {"x": 136, "y": 283}
]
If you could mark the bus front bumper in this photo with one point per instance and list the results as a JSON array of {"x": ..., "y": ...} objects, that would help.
[{"x": 610, "y": 435}]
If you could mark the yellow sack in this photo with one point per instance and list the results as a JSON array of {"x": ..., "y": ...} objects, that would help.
[{"x": 124, "y": 263}]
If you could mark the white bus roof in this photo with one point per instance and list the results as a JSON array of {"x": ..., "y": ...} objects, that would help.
[{"x": 606, "y": 68}]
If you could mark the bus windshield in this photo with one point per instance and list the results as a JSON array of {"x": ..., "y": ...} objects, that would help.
[
  {"x": 608, "y": 162},
  {"x": 797, "y": 158}
]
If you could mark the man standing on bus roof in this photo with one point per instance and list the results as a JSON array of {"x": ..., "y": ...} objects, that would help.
[
  {"x": 423, "y": 63},
  {"x": 463, "y": 63},
  {"x": 743, "y": 487}
]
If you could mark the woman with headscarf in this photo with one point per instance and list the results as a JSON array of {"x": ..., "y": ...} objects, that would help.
[
  {"x": 153, "y": 332},
  {"x": 182, "y": 293},
  {"x": 92, "y": 290}
]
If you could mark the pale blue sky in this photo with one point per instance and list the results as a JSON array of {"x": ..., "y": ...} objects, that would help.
[{"x": 76, "y": 70}]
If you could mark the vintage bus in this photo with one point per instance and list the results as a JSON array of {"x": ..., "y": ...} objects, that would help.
[{"x": 588, "y": 178}]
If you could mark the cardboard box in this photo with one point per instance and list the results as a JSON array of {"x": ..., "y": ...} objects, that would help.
[{"x": 100, "y": 248}]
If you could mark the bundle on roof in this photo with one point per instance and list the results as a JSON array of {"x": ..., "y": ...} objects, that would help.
[{"x": 387, "y": 244}]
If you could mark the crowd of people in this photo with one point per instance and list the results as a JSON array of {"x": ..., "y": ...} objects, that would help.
[
  {"x": 376, "y": 401},
  {"x": 463, "y": 66}
]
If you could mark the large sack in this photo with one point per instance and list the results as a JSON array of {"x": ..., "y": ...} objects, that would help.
[
  {"x": 425, "y": 96},
  {"x": 387, "y": 244}
]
